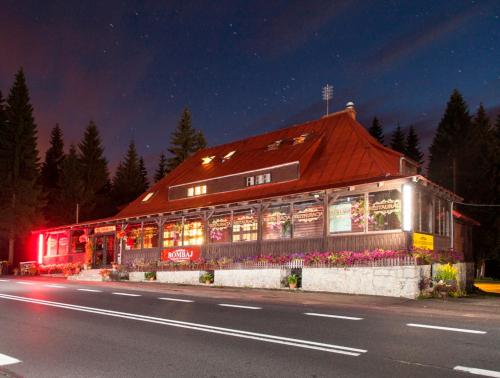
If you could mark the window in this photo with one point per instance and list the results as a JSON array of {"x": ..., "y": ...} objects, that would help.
[
  {"x": 264, "y": 178},
  {"x": 307, "y": 219},
  {"x": 197, "y": 190},
  {"x": 150, "y": 235},
  {"x": 300, "y": 139},
  {"x": 148, "y": 197},
  {"x": 347, "y": 214},
  {"x": 275, "y": 145},
  {"x": 228, "y": 155},
  {"x": 441, "y": 217},
  {"x": 133, "y": 237},
  {"x": 207, "y": 160},
  {"x": 245, "y": 225},
  {"x": 384, "y": 210},
  {"x": 423, "y": 212},
  {"x": 52, "y": 245},
  {"x": 219, "y": 228},
  {"x": 172, "y": 234},
  {"x": 276, "y": 223},
  {"x": 250, "y": 181},
  {"x": 78, "y": 241},
  {"x": 193, "y": 232},
  {"x": 63, "y": 248}
]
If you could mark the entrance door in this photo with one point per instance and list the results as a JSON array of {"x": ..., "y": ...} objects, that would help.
[{"x": 104, "y": 250}]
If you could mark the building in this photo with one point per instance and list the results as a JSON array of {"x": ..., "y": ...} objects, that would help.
[{"x": 325, "y": 185}]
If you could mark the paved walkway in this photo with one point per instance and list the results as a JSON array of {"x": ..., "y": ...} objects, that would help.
[{"x": 490, "y": 287}]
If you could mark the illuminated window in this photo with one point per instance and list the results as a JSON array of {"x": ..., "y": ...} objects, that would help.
[
  {"x": 133, "y": 236},
  {"x": 150, "y": 235},
  {"x": 190, "y": 192},
  {"x": 250, "y": 181},
  {"x": 245, "y": 226},
  {"x": 228, "y": 155},
  {"x": 172, "y": 234},
  {"x": 193, "y": 232},
  {"x": 275, "y": 145},
  {"x": 197, "y": 190},
  {"x": 207, "y": 160},
  {"x": 148, "y": 196},
  {"x": 384, "y": 210},
  {"x": 264, "y": 178},
  {"x": 277, "y": 223}
]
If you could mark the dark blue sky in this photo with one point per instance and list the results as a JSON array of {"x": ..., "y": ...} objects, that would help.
[{"x": 244, "y": 67}]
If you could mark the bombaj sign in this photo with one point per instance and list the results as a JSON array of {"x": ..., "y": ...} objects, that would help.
[
  {"x": 180, "y": 254},
  {"x": 423, "y": 241}
]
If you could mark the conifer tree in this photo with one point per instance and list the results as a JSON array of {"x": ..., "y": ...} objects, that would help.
[
  {"x": 94, "y": 175},
  {"x": 398, "y": 142},
  {"x": 128, "y": 181},
  {"x": 144, "y": 175},
  {"x": 161, "y": 171},
  {"x": 71, "y": 187},
  {"x": 413, "y": 150},
  {"x": 376, "y": 131},
  {"x": 446, "y": 158},
  {"x": 50, "y": 175},
  {"x": 20, "y": 193},
  {"x": 185, "y": 141}
]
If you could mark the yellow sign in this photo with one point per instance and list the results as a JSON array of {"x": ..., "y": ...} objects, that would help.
[
  {"x": 104, "y": 229},
  {"x": 423, "y": 241}
]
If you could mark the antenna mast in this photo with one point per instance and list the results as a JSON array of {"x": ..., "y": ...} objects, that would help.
[{"x": 327, "y": 95}]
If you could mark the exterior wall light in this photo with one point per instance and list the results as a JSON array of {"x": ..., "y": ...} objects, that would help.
[{"x": 407, "y": 207}]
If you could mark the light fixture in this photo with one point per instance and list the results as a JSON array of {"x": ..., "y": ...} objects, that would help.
[
  {"x": 207, "y": 159},
  {"x": 40, "y": 248},
  {"x": 407, "y": 207}
]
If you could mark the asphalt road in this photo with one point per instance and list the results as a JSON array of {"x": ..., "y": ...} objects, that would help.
[{"x": 65, "y": 329}]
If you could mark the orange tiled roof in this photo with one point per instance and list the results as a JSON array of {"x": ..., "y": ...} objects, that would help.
[{"x": 337, "y": 152}]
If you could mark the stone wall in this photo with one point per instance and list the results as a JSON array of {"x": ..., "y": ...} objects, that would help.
[
  {"x": 136, "y": 276},
  {"x": 255, "y": 278},
  {"x": 393, "y": 281},
  {"x": 188, "y": 277}
]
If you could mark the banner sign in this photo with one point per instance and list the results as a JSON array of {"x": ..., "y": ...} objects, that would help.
[
  {"x": 104, "y": 229},
  {"x": 180, "y": 254},
  {"x": 423, "y": 241}
]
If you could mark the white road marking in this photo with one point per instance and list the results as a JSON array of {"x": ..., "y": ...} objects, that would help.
[
  {"x": 446, "y": 328},
  {"x": 127, "y": 294},
  {"x": 332, "y": 316},
  {"x": 7, "y": 360},
  {"x": 176, "y": 300},
  {"x": 91, "y": 290},
  {"x": 238, "y": 306},
  {"x": 4, "y": 280},
  {"x": 56, "y": 286},
  {"x": 331, "y": 348},
  {"x": 24, "y": 283},
  {"x": 483, "y": 372}
]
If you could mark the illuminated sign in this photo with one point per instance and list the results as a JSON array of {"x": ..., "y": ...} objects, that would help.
[
  {"x": 221, "y": 223},
  {"x": 104, "y": 229},
  {"x": 423, "y": 241},
  {"x": 386, "y": 207},
  {"x": 181, "y": 254}
]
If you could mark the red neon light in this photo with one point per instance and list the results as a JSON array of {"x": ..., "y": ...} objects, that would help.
[{"x": 40, "y": 248}]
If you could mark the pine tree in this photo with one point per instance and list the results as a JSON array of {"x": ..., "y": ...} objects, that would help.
[
  {"x": 376, "y": 131},
  {"x": 398, "y": 140},
  {"x": 144, "y": 175},
  {"x": 128, "y": 182},
  {"x": 185, "y": 141},
  {"x": 446, "y": 158},
  {"x": 413, "y": 150},
  {"x": 94, "y": 175},
  {"x": 161, "y": 171},
  {"x": 20, "y": 193},
  {"x": 71, "y": 187},
  {"x": 50, "y": 175}
]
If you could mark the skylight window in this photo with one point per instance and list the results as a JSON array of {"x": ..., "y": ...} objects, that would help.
[
  {"x": 207, "y": 160},
  {"x": 300, "y": 139},
  {"x": 148, "y": 197},
  {"x": 228, "y": 155},
  {"x": 275, "y": 145}
]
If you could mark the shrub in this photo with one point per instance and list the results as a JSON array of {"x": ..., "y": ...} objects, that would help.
[
  {"x": 207, "y": 277},
  {"x": 150, "y": 275},
  {"x": 446, "y": 273}
]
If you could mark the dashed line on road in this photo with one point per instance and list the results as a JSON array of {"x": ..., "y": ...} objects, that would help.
[
  {"x": 300, "y": 343},
  {"x": 56, "y": 286},
  {"x": 446, "y": 328},
  {"x": 240, "y": 306},
  {"x": 176, "y": 300},
  {"x": 4, "y": 280},
  {"x": 91, "y": 290},
  {"x": 476, "y": 371},
  {"x": 7, "y": 360},
  {"x": 24, "y": 283},
  {"x": 332, "y": 316},
  {"x": 127, "y": 294}
]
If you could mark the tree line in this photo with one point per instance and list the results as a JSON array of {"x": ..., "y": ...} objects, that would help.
[
  {"x": 464, "y": 157},
  {"x": 35, "y": 193}
]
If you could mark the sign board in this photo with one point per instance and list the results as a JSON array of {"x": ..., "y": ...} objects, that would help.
[
  {"x": 104, "y": 229},
  {"x": 181, "y": 254},
  {"x": 423, "y": 241}
]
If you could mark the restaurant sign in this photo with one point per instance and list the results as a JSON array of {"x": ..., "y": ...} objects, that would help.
[
  {"x": 104, "y": 229},
  {"x": 423, "y": 241},
  {"x": 180, "y": 254},
  {"x": 309, "y": 214},
  {"x": 386, "y": 207}
]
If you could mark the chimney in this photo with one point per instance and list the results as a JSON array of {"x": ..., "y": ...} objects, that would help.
[{"x": 349, "y": 107}]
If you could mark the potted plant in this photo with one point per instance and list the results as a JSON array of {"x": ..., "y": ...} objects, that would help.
[
  {"x": 150, "y": 276},
  {"x": 105, "y": 273},
  {"x": 207, "y": 278},
  {"x": 446, "y": 280},
  {"x": 114, "y": 265},
  {"x": 293, "y": 280}
]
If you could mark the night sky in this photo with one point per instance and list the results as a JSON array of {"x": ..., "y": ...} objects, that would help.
[{"x": 246, "y": 67}]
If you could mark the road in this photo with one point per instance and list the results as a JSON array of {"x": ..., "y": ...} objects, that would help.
[{"x": 64, "y": 329}]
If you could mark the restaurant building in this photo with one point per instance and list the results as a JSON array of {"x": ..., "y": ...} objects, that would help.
[{"x": 325, "y": 185}]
